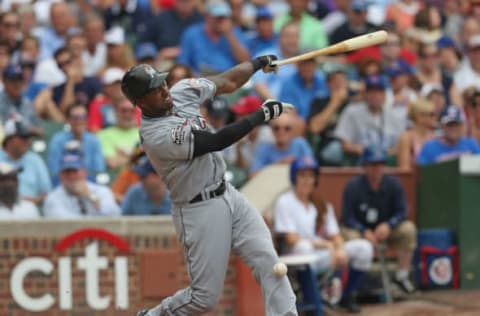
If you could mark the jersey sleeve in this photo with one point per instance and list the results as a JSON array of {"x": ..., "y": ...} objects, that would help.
[
  {"x": 193, "y": 91},
  {"x": 174, "y": 141},
  {"x": 331, "y": 224}
]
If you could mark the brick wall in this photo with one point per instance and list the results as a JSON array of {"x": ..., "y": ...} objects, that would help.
[{"x": 20, "y": 245}]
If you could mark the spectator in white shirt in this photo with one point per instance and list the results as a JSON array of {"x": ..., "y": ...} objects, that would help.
[
  {"x": 469, "y": 73},
  {"x": 76, "y": 197},
  {"x": 11, "y": 206}
]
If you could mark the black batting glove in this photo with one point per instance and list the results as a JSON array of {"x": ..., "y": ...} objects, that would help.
[
  {"x": 273, "y": 108},
  {"x": 266, "y": 62}
]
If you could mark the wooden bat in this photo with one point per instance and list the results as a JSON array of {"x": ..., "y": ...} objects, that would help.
[{"x": 353, "y": 43}]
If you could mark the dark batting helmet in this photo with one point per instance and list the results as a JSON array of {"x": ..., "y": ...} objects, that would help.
[
  {"x": 302, "y": 163},
  {"x": 140, "y": 80}
]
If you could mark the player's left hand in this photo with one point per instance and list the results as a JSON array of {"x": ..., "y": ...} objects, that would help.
[
  {"x": 273, "y": 108},
  {"x": 267, "y": 63}
]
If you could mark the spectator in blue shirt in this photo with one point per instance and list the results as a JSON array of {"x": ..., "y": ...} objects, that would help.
[
  {"x": 268, "y": 85},
  {"x": 61, "y": 19},
  {"x": 166, "y": 28},
  {"x": 303, "y": 86},
  {"x": 374, "y": 208},
  {"x": 452, "y": 144},
  {"x": 264, "y": 37},
  {"x": 89, "y": 144},
  {"x": 34, "y": 180},
  {"x": 150, "y": 195},
  {"x": 13, "y": 103},
  {"x": 285, "y": 148},
  {"x": 215, "y": 45}
]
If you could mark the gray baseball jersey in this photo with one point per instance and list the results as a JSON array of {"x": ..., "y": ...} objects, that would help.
[{"x": 168, "y": 142}]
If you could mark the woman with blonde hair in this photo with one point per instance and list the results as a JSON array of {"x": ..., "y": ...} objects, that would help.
[{"x": 422, "y": 113}]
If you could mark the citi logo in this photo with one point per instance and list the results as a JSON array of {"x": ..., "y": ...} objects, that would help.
[{"x": 91, "y": 263}]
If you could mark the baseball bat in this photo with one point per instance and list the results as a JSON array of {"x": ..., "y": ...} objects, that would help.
[{"x": 348, "y": 45}]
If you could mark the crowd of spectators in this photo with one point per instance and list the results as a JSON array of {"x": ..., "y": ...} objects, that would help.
[
  {"x": 417, "y": 95},
  {"x": 70, "y": 141}
]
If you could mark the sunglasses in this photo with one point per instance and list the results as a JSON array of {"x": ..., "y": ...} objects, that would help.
[
  {"x": 78, "y": 117},
  {"x": 277, "y": 128}
]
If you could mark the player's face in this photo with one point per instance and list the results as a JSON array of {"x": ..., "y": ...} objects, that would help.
[
  {"x": 157, "y": 102},
  {"x": 374, "y": 171},
  {"x": 305, "y": 182}
]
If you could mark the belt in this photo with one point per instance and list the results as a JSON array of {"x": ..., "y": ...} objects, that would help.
[{"x": 210, "y": 194}]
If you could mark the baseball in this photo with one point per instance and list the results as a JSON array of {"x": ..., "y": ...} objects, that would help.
[{"x": 280, "y": 269}]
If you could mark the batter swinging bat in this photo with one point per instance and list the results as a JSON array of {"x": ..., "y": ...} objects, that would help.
[{"x": 353, "y": 43}]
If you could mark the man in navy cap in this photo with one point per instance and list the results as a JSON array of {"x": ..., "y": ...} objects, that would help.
[
  {"x": 374, "y": 208},
  {"x": 264, "y": 37},
  {"x": 372, "y": 122},
  {"x": 452, "y": 144},
  {"x": 76, "y": 196},
  {"x": 12, "y": 101}
]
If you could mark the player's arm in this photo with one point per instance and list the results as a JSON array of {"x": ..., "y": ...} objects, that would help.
[
  {"x": 235, "y": 77},
  {"x": 205, "y": 141}
]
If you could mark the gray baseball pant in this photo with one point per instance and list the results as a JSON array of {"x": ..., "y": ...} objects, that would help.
[{"x": 208, "y": 230}]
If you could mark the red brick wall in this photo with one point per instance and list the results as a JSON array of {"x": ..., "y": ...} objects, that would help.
[{"x": 37, "y": 284}]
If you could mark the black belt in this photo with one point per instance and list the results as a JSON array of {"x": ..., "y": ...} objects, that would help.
[{"x": 211, "y": 194}]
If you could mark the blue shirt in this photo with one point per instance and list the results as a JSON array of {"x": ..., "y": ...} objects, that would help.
[
  {"x": 34, "y": 179},
  {"x": 295, "y": 91},
  {"x": 274, "y": 81},
  {"x": 137, "y": 202},
  {"x": 204, "y": 56},
  {"x": 33, "y": 89},
  {"x": 268, "y": 153},
  {"x": 166, "y": 28},
  {"x": 364, "y": 208},
  {"x": 436, "y": 150},
  {"x": 92, "y": 152},
  {"x": 50, "y": 41},
  {"x": 257, "y": 44}
]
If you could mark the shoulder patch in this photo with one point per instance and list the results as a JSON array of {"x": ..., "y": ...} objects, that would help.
[{"x": 178, "y": 134}]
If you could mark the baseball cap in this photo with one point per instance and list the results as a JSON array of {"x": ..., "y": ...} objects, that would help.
[
  {"x": 429, "y": 88},
  {"x": 7, "y": 169},
  {"x": 16, "y": 127},
  {"x": 145, "y": 51},
  {"x": 218, "y": 9},
  {"x": 143, "y": 167},
  {"x": 302, "y": 163},
  {"x": 115, "y": 36},
  {"x": 217, "y": 108},
  {"x": 399, "y": 68},
  {"x": 112, "y": 75},
  {"x": 359, "y": 5},
  {"x": 375, "y": 82},
  {"x": 247, "y": 105},
  {"x": 263, "y": 13},
  {"x": 453, "y": 114},
  {"x": 13, "y": 72},
  {"x": 374, "y": 154},
  {"x": 140, "y": 80},
  {"x": 71, "y": 160},
  {"x": 446, "y": 42}
]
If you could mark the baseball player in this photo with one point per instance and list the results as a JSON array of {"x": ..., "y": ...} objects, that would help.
[{"x": 209, "y": 215}]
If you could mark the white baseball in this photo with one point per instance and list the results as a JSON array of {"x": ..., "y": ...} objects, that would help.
[{"x": 280, "y": 269}]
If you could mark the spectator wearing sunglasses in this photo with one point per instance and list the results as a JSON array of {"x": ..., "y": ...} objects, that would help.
[
  {"x": 285, "y": 148},
  {"x": 423, "y": 116},
  {"x": 88, "y": 142}
]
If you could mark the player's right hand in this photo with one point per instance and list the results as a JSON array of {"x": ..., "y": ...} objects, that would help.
[{"x": 273, "y": 108}]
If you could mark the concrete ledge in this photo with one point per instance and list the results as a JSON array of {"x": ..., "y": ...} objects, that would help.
[{"x": 128, "y": 225}]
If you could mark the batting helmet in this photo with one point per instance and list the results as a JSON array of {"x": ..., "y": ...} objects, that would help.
[
  {"x": 140, "y": 80},
  {"x": 302, "y": 163}
]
